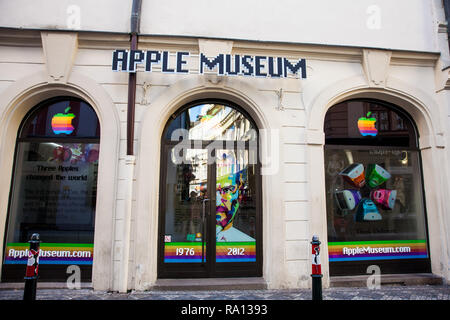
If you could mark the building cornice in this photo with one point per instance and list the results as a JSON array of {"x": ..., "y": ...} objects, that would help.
[{"x": 111, "y": 41}]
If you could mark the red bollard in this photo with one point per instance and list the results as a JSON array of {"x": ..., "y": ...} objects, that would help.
[
  {"x": 316, "y": 269},
  {"x": 31, "y": 274}
]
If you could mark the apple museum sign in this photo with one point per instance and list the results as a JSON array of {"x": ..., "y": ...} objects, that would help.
[{"x": 222, "y": 64}]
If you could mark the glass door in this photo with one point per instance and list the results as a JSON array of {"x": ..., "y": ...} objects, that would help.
[
  {"x": 210, "y": 209},
  {"x": 236, "y": 208},
  {"x": 196, "y": 243},
  {"x": 186, "y": 206}
]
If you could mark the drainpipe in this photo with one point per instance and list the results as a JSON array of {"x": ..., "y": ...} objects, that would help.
[
  {"x": 135, "y": 23},
  {"x": 122, "y": 248}
]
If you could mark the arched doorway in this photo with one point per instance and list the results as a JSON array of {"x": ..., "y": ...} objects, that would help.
[
  {"x": 376, "y": 211},
  {"x": 54, "y": 190},
  {"x": 210, "y": 220}
]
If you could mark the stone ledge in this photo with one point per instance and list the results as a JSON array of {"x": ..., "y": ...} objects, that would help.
[
  {"x": 211, "y": 284},
  {"x": 388, "y": 279}
]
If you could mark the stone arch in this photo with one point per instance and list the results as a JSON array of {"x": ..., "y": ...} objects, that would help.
[
  {"x": 425, "y": 112},
  {"x": 24, "y": 94},
  {"x": 416, "y": 102}
]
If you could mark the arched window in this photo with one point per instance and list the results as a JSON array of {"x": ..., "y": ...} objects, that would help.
[
  {"x": 54, "y": 189},
  {"x": 374, "y": 190},
  {"x": 210, "y": 207}
]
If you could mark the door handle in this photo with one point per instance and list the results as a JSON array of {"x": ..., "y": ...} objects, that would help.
[
  {"x": 204, "y": 207},
  {"x": 203, "y": 228}
]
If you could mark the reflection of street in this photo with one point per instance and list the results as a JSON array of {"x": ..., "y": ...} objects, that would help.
[
  {"x": 56, "y": 188},
  {"x": 191, "y": 188},
  {"x": 390, "y": 182}
]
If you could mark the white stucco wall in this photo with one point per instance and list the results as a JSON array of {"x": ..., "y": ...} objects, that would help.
[{"x": 399, "y": 24}]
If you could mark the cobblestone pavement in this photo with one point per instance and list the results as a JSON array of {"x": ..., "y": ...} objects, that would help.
[{"x": 424, "y": 292}]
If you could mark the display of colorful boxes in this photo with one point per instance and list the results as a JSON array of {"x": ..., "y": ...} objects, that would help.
[
  {"x": 367, "y": 211},
  {"x": 354, "y": 174},
  {"x": 376, "y": 175},
  {"x": 384, "y": 197},
  {"x": 372, "y": 177},
  {"x": 347, "y": 199}
]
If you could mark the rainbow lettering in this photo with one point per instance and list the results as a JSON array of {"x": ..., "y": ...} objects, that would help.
[
  {"x": 51, "y": 253},
  {"x": 236, "y": 251},
  {"x": 377, "y": 250},
  {"x": 183, "y": 252},
  {"x": 191, "y": 252}
]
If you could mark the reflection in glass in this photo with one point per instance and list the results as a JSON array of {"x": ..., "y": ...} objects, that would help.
[
  {"x": 392, "y": 184},
  {"x": 212, "y": 122},
  {"x": 186, "y": 188},
  {"x": 210, "y": 189},
  {"x": 374, "y": 196},
  {"x": 76, "y": 114},
  {"x": 54, "y": 192},
  {"x": 342, "y": 127}
]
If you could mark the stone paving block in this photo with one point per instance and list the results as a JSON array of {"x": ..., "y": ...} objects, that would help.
[{"x": 425, "y": 292}]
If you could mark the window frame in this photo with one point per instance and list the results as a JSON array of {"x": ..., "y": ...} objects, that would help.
[
  {"x": 230, "y": 269},
  {"x": 16, "y": 271},
  {"x": 416, "y": 265}
]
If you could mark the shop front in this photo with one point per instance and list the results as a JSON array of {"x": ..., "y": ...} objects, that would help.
[{"x": 242, "y": 151}]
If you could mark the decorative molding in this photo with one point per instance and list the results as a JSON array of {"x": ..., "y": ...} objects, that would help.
[
  {"x": 376, "y": 66},
  {"x": 212, "y": 48},
  {"x": 213, "y": 80},
  {"x": 59, "y": 53},
  {"x": 146, "y": 88},
  {"x": 314, "y": 137},
  {"x": 442, "y": 26},
  {"x": 447, "y": 81},
  {"x": 440, "y": 140},
  {"x": 111, "y": 41},
  {"x": 280, "y": 99}
]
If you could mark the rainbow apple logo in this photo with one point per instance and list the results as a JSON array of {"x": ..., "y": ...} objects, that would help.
[
  {"x": 62, "y": 122},
  {"x": 366, "y": 126}
]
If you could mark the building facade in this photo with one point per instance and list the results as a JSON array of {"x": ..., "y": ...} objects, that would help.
[{"x": 284, "y": 119}]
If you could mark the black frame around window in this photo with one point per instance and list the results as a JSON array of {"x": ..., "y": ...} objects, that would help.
[
  {"x": 405, "y": 140},
  {"x": 211, "y": 269},
  {"x": 447, "y": 17}
]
